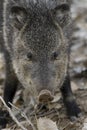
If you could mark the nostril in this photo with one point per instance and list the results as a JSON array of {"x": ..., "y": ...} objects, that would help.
[{"x": 45, "y": 96}]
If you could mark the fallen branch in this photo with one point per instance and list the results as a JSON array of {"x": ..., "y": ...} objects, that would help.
[
  {"x": 12, "y": 115},
  {"x": 23, "y": 115}
]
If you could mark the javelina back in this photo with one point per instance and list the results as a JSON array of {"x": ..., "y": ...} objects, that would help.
[{"x": 37, "y": 36}]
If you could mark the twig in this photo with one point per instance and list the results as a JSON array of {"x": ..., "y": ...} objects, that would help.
[
  {"x": 66, "y": 126},
  {"x": 23, "y": 115},
  {"x": 12, "y": 115}
]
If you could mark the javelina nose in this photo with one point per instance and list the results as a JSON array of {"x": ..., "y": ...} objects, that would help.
[{"x": 45, "y": 96}]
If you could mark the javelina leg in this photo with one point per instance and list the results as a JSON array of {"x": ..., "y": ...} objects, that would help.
[
  {"x": 11, "y": 81},
  {"x": 69, "y": 100},
  {"x": 10, "y": 88}
]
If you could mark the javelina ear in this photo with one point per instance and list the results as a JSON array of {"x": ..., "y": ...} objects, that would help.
[
  {"x": 62, "y": 15},
  {"x": 63, "y": 7},
  {"x": 18, "y": 16}
]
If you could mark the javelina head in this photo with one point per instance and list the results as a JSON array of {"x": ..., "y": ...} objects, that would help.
[{"x": 40, "y": 45}]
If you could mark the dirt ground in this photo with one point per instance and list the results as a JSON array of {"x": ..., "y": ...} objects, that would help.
[{"x": 78, "y": 72}]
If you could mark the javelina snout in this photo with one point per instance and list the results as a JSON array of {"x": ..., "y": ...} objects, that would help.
[{"x": 45, "y": 96}]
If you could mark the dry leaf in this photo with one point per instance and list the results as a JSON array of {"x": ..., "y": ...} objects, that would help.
[
  {"x": 54, "y": 106},
  {"x": 56, "y": 97},
  {"x": 46, "y": 124},
  {"x": 74, "y": 86},
  {"x": 85, "y": 125}
]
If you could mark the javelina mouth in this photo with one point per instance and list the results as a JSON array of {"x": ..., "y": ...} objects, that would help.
[{"x": 45, "y": 96}]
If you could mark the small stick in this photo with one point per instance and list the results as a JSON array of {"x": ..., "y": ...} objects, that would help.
[
  {"x": 12, "y": 115},
  {"x": 23, "y": 115}
]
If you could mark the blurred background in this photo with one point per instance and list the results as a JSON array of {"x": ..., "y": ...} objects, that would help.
[{"x": 78, "y": 66}]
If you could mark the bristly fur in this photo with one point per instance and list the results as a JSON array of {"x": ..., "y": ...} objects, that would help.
[
  {"x": 41, "y": 34},
  {"x": 37, "y": 39}
]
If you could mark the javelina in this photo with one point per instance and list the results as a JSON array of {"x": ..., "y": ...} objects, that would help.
[{"x": 37, "y": 36}]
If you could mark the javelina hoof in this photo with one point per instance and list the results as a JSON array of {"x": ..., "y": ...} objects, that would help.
[
  {"x": 45, "y": 96},
  {"x": 73, "y": 110},
  {"x": 75, "y": 118}
]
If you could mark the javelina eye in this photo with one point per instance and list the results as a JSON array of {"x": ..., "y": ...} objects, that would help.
[
  {"x": 55, "y": 55},
  {"x": 29, "y": 56}
]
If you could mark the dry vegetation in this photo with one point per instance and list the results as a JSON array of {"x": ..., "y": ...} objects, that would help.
[{"x": 53, "y": 116}]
